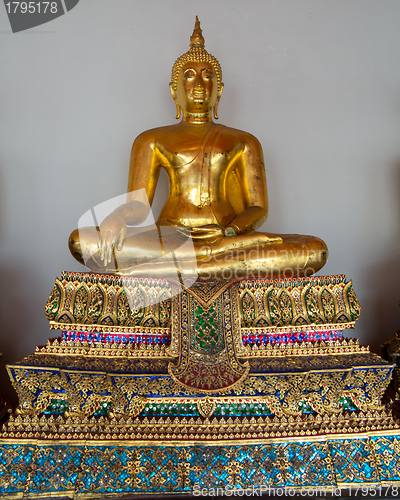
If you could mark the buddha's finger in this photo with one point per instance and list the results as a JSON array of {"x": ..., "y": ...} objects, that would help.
[
  {"x": 265, "y": 238},
  {"x": 108, "y": 252},
  {"x": 276, "y": 239},
  {"x": 120, "y": 241},
  {"x": 103, "y": 241},
  {"x": 111, "y": 249},
  {"x": 121, "y": 238},
  {"x": 105, "y": 251},
  {"x": 102, "y": 249}
]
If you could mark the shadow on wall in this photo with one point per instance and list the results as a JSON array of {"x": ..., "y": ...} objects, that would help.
[
  {"x": 380, "y": 308},
  {"x": 19, "y": 308}
]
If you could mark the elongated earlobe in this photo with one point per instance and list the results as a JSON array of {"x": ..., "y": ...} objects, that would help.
[
  {"x": 216, "y": 104},
  {"x": 216, "y": 110},
  {"x": 178, "y": 110}
]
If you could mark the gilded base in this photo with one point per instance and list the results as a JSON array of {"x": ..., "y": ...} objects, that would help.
[
  {"x": 230, "y": 385},
  {"x": 337, "y": 465}
]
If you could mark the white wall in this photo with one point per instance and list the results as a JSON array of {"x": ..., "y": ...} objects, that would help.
[{"x": 317, "y": 82}]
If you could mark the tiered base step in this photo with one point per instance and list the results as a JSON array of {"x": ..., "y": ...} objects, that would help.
[
  {"x": 335, "y": 464},
  {"x": 155, "y": 389}
]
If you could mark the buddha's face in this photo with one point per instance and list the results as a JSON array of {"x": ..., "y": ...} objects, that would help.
[{"x": 197, "y": 87}]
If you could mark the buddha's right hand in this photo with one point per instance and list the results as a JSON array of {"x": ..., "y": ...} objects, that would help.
[{"x": 112, "y": 234}]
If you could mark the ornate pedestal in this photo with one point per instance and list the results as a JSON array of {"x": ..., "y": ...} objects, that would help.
[{"x": 152, "y": 388}]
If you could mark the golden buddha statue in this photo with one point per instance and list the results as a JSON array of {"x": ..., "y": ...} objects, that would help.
[{"x": 217, "y": 196}]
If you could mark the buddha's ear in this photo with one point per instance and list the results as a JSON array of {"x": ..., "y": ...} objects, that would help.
[
  {"x": 173, "y": 93},
  {"x": 218, "y": 98}
]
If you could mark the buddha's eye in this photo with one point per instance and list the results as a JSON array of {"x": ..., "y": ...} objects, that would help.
[
  {"x": 189, "y": 74},
  {"x": 207, "y": 74}
]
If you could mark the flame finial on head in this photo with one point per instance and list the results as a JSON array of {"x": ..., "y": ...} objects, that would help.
[
  {"x": 196, "y": 53},
  {"x": 197, "y": 39}
]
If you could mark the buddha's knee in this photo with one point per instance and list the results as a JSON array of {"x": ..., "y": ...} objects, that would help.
[
  {"x": 317, "y": 253},
  {"x": 74, "y": 246},
  {"x": 82, "y": 243}
]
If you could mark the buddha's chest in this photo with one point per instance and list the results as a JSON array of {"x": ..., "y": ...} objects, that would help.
[{"x": 199, "y": 159}]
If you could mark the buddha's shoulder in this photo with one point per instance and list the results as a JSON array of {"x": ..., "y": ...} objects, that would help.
[
  {"x": 169, "y": 135},
  {"x": 238, "y": 136},
  {"x": 153, "y": 135}
]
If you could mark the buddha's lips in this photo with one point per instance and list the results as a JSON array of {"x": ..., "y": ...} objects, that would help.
[{"x": 198, "y": 95}]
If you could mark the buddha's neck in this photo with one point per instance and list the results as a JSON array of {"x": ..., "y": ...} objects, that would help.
[{"x": 196, "y": 118}]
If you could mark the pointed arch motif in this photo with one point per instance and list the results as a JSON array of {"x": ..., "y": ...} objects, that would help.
[
  {"x": 80, "y": 302},
  {"x": 248, "y": 309}
]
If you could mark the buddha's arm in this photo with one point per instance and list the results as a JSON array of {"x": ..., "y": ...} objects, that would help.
[
  {"x": 251, "y": 176},
  {"x": 144, "y": 171}
]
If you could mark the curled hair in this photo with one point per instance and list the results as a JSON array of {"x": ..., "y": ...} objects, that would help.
[{"x": 196, "y": 54}]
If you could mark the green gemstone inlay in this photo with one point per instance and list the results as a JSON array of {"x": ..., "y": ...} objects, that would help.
[
  {"x": 347, "y": 404},
  {"x": 165, "y": 409},
  {"x": 305, "y": 407},
  {"x": 221, "y": 409},
  {"x": 242, "y": 409},
  {"x": 57, "y": 407},
  {"x": 104, "y": 409},
  {"x": 206, "y": 328}
]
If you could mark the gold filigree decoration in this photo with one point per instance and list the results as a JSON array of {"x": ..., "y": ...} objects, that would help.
[
  {"x": 141, "y": 430},
  {"x": 283, "y": 393},
  {"x": 75, "y": 348},
  {"x": 99, "y": 350},
  {"x": 345, "y": 346},
  {"x": 106, "y": 302},
  {"x": 297, "y": 302},
  {"x": 206, "y": 407},
  {"x": 201, "y": 368}
]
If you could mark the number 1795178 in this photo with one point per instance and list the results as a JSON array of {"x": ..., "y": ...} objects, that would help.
[
  {"x": 391, "y": 491},
  {"x": 31, "y": 7}
]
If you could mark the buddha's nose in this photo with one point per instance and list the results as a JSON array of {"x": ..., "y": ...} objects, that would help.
[{"x": 198, "y": 90}]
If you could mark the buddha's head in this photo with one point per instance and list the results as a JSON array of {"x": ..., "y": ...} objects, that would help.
[{"x": 196, "y": 79}]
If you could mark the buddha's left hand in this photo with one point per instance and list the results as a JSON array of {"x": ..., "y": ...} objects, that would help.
[{"x": 208, "y": 232}]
